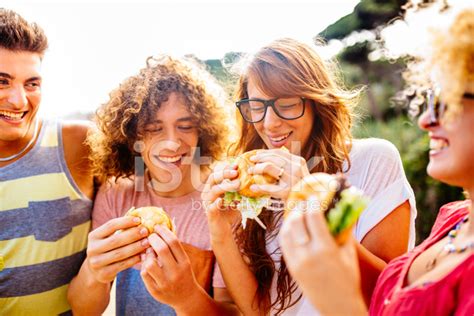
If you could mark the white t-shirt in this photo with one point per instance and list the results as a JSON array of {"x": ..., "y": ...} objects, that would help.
[{"x": 377, "y": 170}]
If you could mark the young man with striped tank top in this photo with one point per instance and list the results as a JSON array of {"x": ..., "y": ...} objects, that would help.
[{"x": 46, "y": 187}]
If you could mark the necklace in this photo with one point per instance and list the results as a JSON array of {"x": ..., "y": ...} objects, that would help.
[
  {"x": 450, "y": 248},
  {"x": 24, "y": 148}
]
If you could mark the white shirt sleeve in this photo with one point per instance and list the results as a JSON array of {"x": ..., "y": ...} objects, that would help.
[{"x": 376, "y": 169}]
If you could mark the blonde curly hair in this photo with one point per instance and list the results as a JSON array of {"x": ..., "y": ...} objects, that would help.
[
  {"x": 133, "y": 105},
  {"x": 448, "y": 60}
]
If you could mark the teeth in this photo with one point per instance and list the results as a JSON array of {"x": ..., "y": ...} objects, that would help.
[
  {"x": 438, "y": 144},
  {"x": 169, "y": 159},
  {"x": 279, "y": 139},
  {"x": 11, "y": 115}
]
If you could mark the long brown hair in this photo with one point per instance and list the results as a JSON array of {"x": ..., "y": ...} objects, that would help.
[{"x": 288, "y": 68}]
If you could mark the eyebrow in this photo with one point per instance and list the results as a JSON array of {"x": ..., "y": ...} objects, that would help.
[
  {"x": 8, "y": 76},
  {"x": 3, "y": 74},
  {"x": 468, "y": 95},
  {"x": 183, "y": 119}
]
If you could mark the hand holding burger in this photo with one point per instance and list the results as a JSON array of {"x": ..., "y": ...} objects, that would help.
[
  {"x": 247, "y": 201},
  {"x": 331, "y": 194}
]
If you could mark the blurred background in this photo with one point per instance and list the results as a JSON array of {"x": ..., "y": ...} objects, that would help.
[{"x": 95, "y": 45}]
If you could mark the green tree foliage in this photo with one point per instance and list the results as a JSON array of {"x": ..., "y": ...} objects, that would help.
[{"x": 367, "y": 15}]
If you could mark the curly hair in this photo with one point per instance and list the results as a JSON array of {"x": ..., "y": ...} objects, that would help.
[
  {"x": 449, "y": 59},
  {"x": 17, "y": 34},
  {"x": 121, "y": 121},
  {"x": 288, "y": 68}
]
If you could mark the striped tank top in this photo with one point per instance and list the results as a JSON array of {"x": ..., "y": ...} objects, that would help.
[{"x": 44, "y": 223}]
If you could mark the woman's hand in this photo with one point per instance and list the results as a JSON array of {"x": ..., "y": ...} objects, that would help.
[
  {"x": 221, "y": 219},
  {"x": 109, "y": 252},
  {"x": 281, "y": 165},
  {"x": 328, "y": 274}
]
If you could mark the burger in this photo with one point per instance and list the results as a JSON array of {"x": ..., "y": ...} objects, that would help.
[
  {"x": 248, "y": 202},
  {"x": 151, "y": 216},
  {"x": 341, "y": 203}
]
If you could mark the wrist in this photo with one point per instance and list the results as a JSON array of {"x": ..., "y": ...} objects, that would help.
[
  {"x": 222, "y": 239},
  {"x": 350, "y": 305},
  {"x": 192, "y": 303}
]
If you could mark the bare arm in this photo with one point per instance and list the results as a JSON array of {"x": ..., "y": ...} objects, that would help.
[
  {"x": 386, "y": 241},
  {"x": 239, "y": 279},
  {"x": 84, "y": 287},
  {"x": 76, "y": 154}
]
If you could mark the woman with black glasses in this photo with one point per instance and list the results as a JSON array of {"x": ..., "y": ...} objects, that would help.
[
  {"x": 289, "y": 97},
  {"x": 437, "y": 277}
]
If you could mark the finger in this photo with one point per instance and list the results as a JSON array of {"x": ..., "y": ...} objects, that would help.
[
  {"x": 173, "y": 243},
  {"x": 218, "y": 176},
  {"x": 110, "y": 272},
  {"x": 269, "y": 168},
  {"x": 119, "y": 254},
  {"x": 162, "y": 250},
  {"x": 218, "y": 190},
  {"x": 318, "y": 229},
  {"x": 270, "y": 157},
  {"x": 275, "y": 190},
  {"x": 225, "y": 186},
  {"x": 110, "y": 227},
  {"x": 152, "y": 269},
  {"x": 296, "y": 230},
  {"x": 118, "y": 240}
]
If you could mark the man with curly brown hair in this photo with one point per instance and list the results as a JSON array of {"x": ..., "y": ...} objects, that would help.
[
  {"x": 46, "y": 187},
  {"x": 167, "y": 116}
]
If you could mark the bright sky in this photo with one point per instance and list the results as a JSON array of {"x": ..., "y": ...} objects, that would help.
[{"x": 95, "y": 45}]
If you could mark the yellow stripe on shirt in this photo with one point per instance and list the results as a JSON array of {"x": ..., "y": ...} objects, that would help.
[
  {"x": 27, "y": 251},
  {"x": 53, "y": 302},
  {"x": 45, "y": 187}
]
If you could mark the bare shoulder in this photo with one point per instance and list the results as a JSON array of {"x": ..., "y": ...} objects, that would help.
[
  {"x": 76, "y": 131},
  {"x": 76, "y": 153}
]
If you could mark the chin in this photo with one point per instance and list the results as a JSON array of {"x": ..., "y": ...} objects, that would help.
[
  {"x": 13, "y": 136},
  {"x": 445, "y": 174}
]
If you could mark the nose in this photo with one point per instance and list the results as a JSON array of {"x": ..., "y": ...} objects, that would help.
[
  {"x": 271, "y": 120},
  {"x": 17, "y": 97},
  {"x": 172, "y": 136},
  {"x": 425, "y": 121}
]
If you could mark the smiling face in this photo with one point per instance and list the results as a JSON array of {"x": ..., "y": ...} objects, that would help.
[
  {"x": 170, "y": 142},
  {"x": 277, "y": 132},
  {"x": 20, "y": 96},
  {"x": 452, "y": 146}
]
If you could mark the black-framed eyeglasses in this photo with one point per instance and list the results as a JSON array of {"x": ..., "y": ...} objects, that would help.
[{"x": 254, "y": 110}]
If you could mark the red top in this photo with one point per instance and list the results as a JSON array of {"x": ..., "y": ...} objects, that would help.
[{"x": 453, "y": 294}]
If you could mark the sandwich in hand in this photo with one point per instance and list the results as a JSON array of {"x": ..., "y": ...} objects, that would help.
[
  {"x": 331, "y": 194},
  {"x": 248, "y": 202},
  {"x": 151, "y": 216}
]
